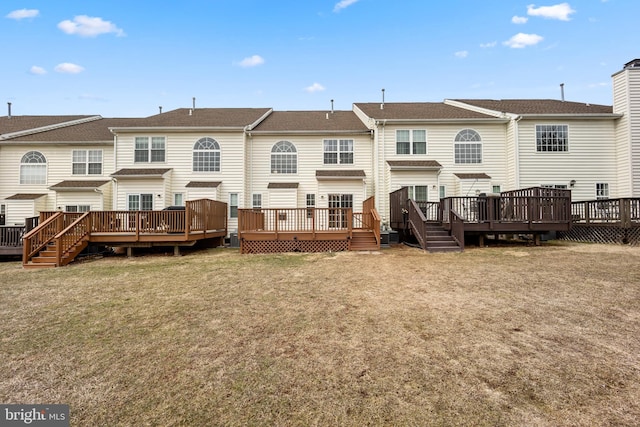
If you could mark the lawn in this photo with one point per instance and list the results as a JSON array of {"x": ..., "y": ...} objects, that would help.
[{"x": 512, "y": 335}]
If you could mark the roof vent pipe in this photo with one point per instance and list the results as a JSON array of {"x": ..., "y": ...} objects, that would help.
[
  {"x": 382, "y": 105},
  {"x": 562, "y": 91},
  {"x": 332, "y": 106},
  {"x": 194, "y": 103},
  {"x": 8, "y": 110},
  {"x": 160, "y": 108}
]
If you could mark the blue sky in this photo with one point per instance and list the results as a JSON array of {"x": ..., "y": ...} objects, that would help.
[{"x": 126, "y": 58}]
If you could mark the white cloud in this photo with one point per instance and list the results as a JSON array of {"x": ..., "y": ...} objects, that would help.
[
  {"x": 23, "y": 13},
  {"x": 343, "y": 4},
  {"x": 461, "y": 54},
  {"x": 68, "y": 68},
  {"x": 37, "y": 70},
  {"x": 519, "y": 19},
  {"x": 87, "y": 26},
  {"x": 601, "y": 84},
  {"x": 251, "y": 61},
  {"x": 490, "y": 44},
  {"x": 521, "y": 40},
  {"x": 559, "y": 11},
  {"x": 316, "y": 87}
]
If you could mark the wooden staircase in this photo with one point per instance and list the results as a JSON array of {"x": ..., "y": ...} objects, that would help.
[
  {"x": 48, "y": 256},
  {"x": 439, "y": 240},
  {"x": 363, "y": 240}
]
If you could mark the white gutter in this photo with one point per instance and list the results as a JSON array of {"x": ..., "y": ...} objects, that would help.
[{"x": 516, "y": 131}]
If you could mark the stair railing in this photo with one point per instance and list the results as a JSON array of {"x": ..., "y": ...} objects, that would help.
[
  {"x": 418, "y": 223},
  {"x": 35, "y": 240},
  {"x": 68, "y": 239}
]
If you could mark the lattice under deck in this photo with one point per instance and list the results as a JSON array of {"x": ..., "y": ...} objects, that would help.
[
  {"x": 277, "y": 246},
  {"x": 602, "y": 234}
]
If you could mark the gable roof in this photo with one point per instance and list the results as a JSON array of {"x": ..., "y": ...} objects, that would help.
[
  {"x": 537, "y": 106},
  {"x": 12, "y": 126},
  {"x": 418, "y": 111},
  {"x": 218, "y": 118},
  {"x": 93, "y": 131},
  {"x": 311, "y": 121}
]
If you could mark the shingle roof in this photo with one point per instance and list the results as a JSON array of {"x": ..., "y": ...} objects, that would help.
[
  {"x": 340, "y": 173},
  {"x": 141, "y": 172},
  {"x": 25, "y": 196},
  {"x": 418, "y": 111},
  {"x": 203, "y": 117},
  {"x": 94, "y": 131},
  {"x": 414, "y": 164},
  {"x": 203, "y": 184},
  {"x": 75, "y": 185},
  {"x": 282, "y": 185},
  {"x": 21, "y": 123},
  {"x": 311, "y": 121},
  {"x": 472, "y": 175},
  {"x": 538, "y": 106}
]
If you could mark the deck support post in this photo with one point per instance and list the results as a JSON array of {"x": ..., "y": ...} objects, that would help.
[
  {"x": 536, "y": 239},
  {"x": 176, "y": 250},
  {"x": 481, "y": 240},
  {"x": 129, "y": 252}
]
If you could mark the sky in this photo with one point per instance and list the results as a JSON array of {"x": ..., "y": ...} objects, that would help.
[{"x": 128, "y": 58}]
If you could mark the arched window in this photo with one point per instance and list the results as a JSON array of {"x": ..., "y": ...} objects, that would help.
[
  {"x": 284, "y": 158},
  {"x": 468, "y": 147},
  {"x": 206, "y": 155},
  {"x": 33, "y": 168}
]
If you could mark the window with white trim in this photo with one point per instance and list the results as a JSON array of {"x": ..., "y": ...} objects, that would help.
[
  {"x": 552, "y": 138},
  {"x": 206, "y": 155},
  {"x": 311, "y": 203},
  {"x": 140, "y": 202},
  {"x": 233, "y": 205},
  {"x": 77, "y": 208},
  {"x": 178, "y": 199},
  {"x": 496, "y": 189},
  {"x": 338, "y": 151},
  {"x": 86, "y": 162},
  {"x": 443, "y": 191},
  {"x": 149, "y": 149},
  {"x": 284, "y": 158},
  {"x": 411, "y": 141},
  {"x": 467, "y": 147},
  {"x": 33, "y": 168},
  {"x": 418, "y": 193},
  {"x": 256, "y": 201},
  {"x": 602, "y": 190}
]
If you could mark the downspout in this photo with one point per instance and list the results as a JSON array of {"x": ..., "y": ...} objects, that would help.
[
  {"x": 516, "y": 131},
  {"x": 249, "y": 190},
  {"x": 114, "y": 196}
]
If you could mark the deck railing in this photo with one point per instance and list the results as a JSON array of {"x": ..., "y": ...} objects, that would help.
[
  {"x": 623, "y": 212},
  {"x": 35, "y": 240},
  {"x": 373, "y": 221},
  {"x": 418, "y": 222},
  {"x": 296, "y": 219},
  {"x": 555, "y": 209},
  {"x": 11, "y": 235},
  {"x": 457, "y": 227},
  {"x": 70, "y": 240}
]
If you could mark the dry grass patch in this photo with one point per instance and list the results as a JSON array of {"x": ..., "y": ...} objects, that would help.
[{"x": 495, "y": 336}]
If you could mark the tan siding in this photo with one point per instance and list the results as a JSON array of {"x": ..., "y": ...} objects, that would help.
[
  {"x": 18, "y": 210},
  {"x": 591, "y": 157},
  {"x": 310, "y": 158}
]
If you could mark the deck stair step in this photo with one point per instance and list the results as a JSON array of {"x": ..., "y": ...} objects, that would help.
[
  {"x": 363, "y": 240},
  {"x": 439, "y": 240}
]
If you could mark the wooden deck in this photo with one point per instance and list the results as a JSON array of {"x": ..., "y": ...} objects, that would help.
[
  {"x": 61, "y": 236},
  {"x": 532, "y": 211},
  {"x": 308, "y": 229},
  {"x": 11, "y": 237},
  {"x": 605, "y": 221}
]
